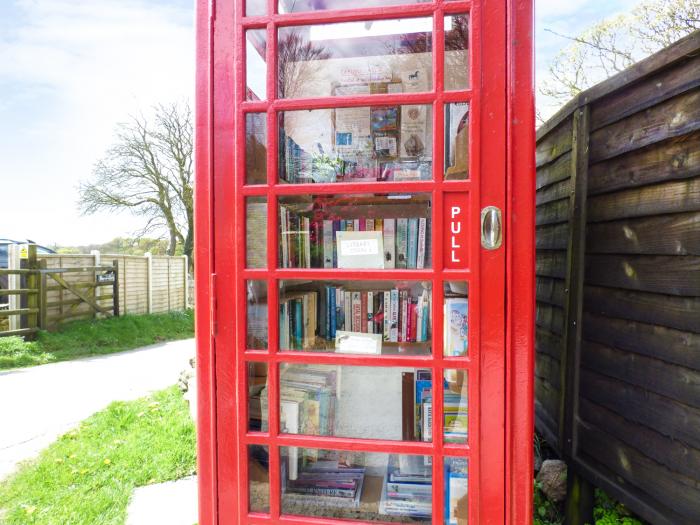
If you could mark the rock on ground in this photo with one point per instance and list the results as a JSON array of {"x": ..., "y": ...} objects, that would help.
[
  {"x": 173, "y": 502},
  {"x": 552, "y": 479}
]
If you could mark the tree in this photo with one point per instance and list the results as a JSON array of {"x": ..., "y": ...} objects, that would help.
[
  {"x": 149, "y": 172},
  {"x": 613, "y": 45}
]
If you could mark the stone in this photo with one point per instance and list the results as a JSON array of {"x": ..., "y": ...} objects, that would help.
[
  {"x": 552, "y": 479},
  {"x": 172, "y": 502}
]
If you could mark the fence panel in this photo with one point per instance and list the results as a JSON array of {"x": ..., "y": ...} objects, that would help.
[{"x": 618, "y": 390}]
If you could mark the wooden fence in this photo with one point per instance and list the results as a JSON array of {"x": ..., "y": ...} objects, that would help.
[
  {"x": 618, "y": 284},
  {"x": 73, "y": 287}
]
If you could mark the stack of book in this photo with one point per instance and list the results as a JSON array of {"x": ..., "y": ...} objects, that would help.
[
  {"x": 307, "y": 242},
  {"x": 407, "y": 488},
  {"x": 400, "y": 315},
  {"x": 323, "y": 483},
  {"x": 307, "y": 402}
]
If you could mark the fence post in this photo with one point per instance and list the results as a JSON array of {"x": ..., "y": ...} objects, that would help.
[
  {"x": 115, "y": 288},
  {"x": 574, "y": 283},
  {"x": 149, "y": 280},
  {"x": 185, "y": 277},
  {"x": 32, "y": 284},
  {"x": 43, "y": 308},
  {"x": 13, "y": 283},
  {"x": 97, "y": 290}
]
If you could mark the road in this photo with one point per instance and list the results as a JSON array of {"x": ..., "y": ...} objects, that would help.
[{"x": 39, "y": 404}]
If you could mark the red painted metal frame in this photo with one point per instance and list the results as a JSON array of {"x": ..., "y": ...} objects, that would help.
[{"x": 500, "y": 361}]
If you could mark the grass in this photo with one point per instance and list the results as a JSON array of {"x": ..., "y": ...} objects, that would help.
[
  {"x": 90, "y": 338},
  {"x": 87, "y": 476}
]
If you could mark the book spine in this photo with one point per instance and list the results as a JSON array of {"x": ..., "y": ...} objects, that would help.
[
  {"x": 389, "y": 234},
  {"x": 356, "y": 226},
  {"x": 370, "y": 312},
  {"x": 363, "y": 299},
  {"x": 339, "y": 309},
  {"x": 347, "y": 301},
  {"x": 327, "y": 244},
  {"x": 378, "y": 312},
  {"x": 334, "y": 247},
  {"x": 369, "y": 225},
  {"x": 333, "y": 321},
  {"x": 404, "y": 316},
  {"x": 387, "y": 316},
  {"x": 420, "y": 261},
  {"x": 356, "y": 312},
  {"x": 401, "y": 243},
  {"x": 306, "y": 241},
  {"x": 427, "y": 433},
  {"x": 412, "y": 249},
  {"x": 394, "y": 329},
  {"x": 298, "y": 324},
  {"x": 284, "y": 240}
]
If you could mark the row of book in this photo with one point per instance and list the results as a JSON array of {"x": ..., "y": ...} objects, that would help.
[
  {"x": 312, "y": 243},
  {"x": 417, "y": 407},
  {"x": 398, "y": 315}
]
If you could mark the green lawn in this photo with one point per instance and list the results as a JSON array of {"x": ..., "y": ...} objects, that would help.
[
  {"x": 89, "y": 338},
  {"x": 87, "y": 476}
]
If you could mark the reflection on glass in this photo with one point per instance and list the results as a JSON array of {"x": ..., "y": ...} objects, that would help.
[
  {"x": 455, "y": 406},
  {"x": 350, "y": 317},
  {"x": 363, "y": 486},
  {"x": 297, "y": 6},
  {"x": 355, "y": 58},
  {"x": 255, "y": 7},
  {"x": 256, "y": 315},
  {"x": 456, "y": 498},
  {"x": 257, "y": 396},
  {"x": 331, "y": 400},
  {"x": 355, "y": 231},
  {"x": 456, "y": 52},
  {"x": 255, "y": 148},
  {"x": 362, "y": 144},
  {"x": 256, "y": 67},
  {"x": 456, "y": 319},
  {"x": 256, "y": 232},
  {"x": 259, "y": 478},
  {"x": 457, "y": 141}
]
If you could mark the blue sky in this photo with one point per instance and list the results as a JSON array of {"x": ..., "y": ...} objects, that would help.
[{"x": 70, "y": 70}]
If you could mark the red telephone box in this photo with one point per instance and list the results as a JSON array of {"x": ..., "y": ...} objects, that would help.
[{"x": 365, "y": 261}]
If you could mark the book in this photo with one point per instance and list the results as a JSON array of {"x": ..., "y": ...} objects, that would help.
[
  {"x": 394, "y": 326},
  {"x": 420, "y": 258},
  {"x": 328, "y": 259},
  {"x": 370, "y": 312},
  {"x": 412, "y": 244},
  {"x": 389, "y": 233},
  {"x": 456, "y": 326},
  {"x": 401, "y": 243},
  {"x": 387, "y": 316}
]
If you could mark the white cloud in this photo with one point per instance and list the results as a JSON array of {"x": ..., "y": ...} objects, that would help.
[{"x": 68, "y": 74}]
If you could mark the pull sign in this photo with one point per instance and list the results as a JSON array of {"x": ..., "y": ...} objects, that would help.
[
  {"x": 491, "y": 231},
  {"x": 456, "y": 236}
]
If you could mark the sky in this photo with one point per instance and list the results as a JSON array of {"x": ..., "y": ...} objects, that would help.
[{"x": 71, "y": 70}]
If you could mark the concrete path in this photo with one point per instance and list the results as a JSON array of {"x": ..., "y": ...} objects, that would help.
[
  {"x": 173, "y": 502},
  {"x": 39, "y": 404}
]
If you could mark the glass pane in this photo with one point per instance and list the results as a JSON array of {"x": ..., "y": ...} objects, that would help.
[
  {"x": 256, "y": 315},
  {"x": 256, "y": 232},
  {"x": 350, "y": 317},
  {"x": 356, "y": 485},
  {"x": 259, "y": 478},
  {"x": 255, "y": 148},
  {"x": 355, "y": 231},
  {"x": 457, "y": 141},
  {"x": 256, "y": 67},
  {"x": 456, "y": 498},
  {"x": 456, "y": 319},
  {"x": 355, "y": 58},
  {"x": 331, "y": 400},
  {"x": 296, "y": 6},
  {"x": 362, "y": 144},
  {"x": 455, "y": 406},
  {"x": 255, "y": 7},
  {"x": 257, "y": 397},
  {"x": 456, "y": 52}
]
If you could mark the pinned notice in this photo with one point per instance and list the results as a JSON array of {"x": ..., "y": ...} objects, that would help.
[{"x": 361, "y": 249}]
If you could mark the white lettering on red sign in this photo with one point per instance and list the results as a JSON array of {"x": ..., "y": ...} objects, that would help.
[{"x": 455, "y": 229}]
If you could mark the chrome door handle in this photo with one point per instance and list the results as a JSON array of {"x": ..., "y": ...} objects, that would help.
[{"x": 491, "y": 229}]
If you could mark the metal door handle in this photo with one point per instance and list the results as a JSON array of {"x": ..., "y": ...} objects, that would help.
[{"x": 491, "y": 230}]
